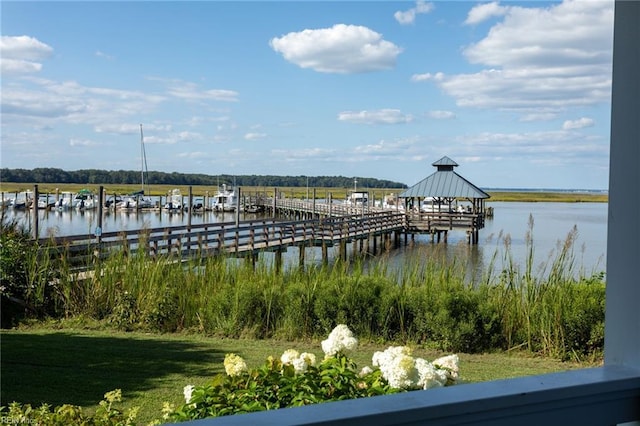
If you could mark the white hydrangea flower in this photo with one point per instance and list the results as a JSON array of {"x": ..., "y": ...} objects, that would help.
[
  {"x": 309, "y": 358},
  {"x": 450, "y": 364},
  {"x": 289, "y": 356},
  {"x": 340, "y": 339},
  {"x": 300, "y": 361},
  {"x": 234, "y": 365},
  {"x": 366, "y": 370},
  {"x": 429, "y": 376},
  {"x": 188, "y": 391},
  {"x": 397, "y": 367}
]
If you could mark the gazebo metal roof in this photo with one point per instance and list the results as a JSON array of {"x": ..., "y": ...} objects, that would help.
[{"x": 444, "y": 183}]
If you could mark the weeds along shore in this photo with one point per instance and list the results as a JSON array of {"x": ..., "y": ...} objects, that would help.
[{"x": 433, "y": 301}]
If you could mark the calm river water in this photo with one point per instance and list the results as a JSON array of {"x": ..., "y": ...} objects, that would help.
[{"x": 551, "y": 224}]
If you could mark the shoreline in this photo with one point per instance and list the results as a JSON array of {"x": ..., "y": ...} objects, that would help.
[{"x": 497, "y": 195}]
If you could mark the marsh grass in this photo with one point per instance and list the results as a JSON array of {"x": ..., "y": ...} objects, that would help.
[
  {"x": 338, "y": 193},
  {"x": 431, "y": 300}
]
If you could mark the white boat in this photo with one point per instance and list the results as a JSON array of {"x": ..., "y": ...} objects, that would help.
[
  {"x": 174, "y": 201},
  {"x": 5, "y": 201},
  {"x": 113, "y": 202},
  {"x": 357, "y": 199},
  {"x": 197, "y": 205},
  {"x": 46, "y": 201},
  {"x": 391, "y": 202},
  {"x": 224, "y": 200},
  {"x": 85, "y": 200},
  {"x": 430, "y": 204},
  {"x": 22, "y": 200},
  {"x": 65, "y": 201},
  {"x": 137, "y": 200}
]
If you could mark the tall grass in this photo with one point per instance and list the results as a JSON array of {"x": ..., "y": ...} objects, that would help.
[{"x": 431, "y": 300}]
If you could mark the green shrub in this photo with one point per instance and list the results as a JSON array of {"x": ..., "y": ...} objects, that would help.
[
  {"x": 295, "y": 379},
  {"x": 106, "y": 414}
]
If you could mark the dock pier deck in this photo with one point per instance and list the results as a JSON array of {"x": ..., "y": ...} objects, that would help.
[{"x": 292, "y": 222}]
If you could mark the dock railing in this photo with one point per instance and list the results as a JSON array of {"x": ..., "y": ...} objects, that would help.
[{"x": 226, "y": 238}]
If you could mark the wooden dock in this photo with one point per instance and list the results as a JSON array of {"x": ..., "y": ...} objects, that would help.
[
  {"x": 289, "y": 222},
  {"x": 241, "y": 239}
]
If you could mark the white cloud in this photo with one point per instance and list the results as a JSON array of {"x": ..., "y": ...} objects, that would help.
[
  {"x": 539, "y": 116},
  {"x": 342, "y": 49},
  {"x": 101, "y": 54},
  {"x": 316, "y": 154},
  {"x": 409, "y": 16},
  {"x": 383, "y": 116},
  {"x": 82, "y": 142},
  {"x": 482, "y": 12},
  {"x": 129, "y": 128},
  {"x": 427, "y": 76},
  {"x": 192, "y": 92},
  {"x": 252, "y": 136},
  {"x": 441, "y": 115},
  {"x": 384, "y": 149},
  {"x": 45, "y": 102},
  {"x": 545, "y": 146},
  {"x": 577, "y": 124},
  {"x": 537, "y": 59},
  {"x": 22, "y": 54},
  {"x": 199, "y": 155}
]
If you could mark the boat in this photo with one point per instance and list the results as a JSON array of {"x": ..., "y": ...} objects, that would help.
[
  {"x": 197, "y": 205},
  {"x": 23, "y": 200},
  {"x": 357, "y": 199},
  {"x": 5, "y": 202},
  {"x": 391, "y": 202},
  {"x": 224, "y": 200},
  {"x": 85, "y": 199},
  {"x": 137, "y": 200},
  {"x": 46, "y": 201},
  {"x": 65, "y": 201},
  {"x": 112, "y": 202},
  {"x": 174, "y": 201}
]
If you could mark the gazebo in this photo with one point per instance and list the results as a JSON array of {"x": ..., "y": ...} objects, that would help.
[{"x": 434, "y": 204}]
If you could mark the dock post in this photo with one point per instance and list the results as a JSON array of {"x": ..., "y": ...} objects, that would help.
[
  {"x": 251, "y": 260},
  {"x": 275, "y": 196},
  {"x": 189, "y": 218},
  {"x": 238, "y": 207},
  {"x": 325, "y": 253},
  {"x": 313, "y": 214},
  {"x": 301, "y": 249},
  {"x": 278, "y": 260},
  {"x": 35, "y": 211},
  {"x": 100, "y": 207},
  {"x": 343, "y": 250}
]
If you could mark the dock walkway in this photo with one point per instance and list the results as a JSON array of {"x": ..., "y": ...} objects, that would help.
[{"x": 305, "y": 224}]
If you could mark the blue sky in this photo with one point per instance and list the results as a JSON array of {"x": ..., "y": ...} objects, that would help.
[{"x": 517, "y": 93}]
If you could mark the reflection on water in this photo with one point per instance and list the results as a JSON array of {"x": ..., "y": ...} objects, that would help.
[{"x": 552, "y": 222}]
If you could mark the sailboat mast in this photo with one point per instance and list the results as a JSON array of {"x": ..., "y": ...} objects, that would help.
[{"x": 142, "y": 158}]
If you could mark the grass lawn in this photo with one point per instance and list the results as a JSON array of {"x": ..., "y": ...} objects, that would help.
[{"x": 77, "y": 366}]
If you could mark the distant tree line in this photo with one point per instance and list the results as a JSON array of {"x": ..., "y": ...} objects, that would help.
[{"x": 94, "y": 176}]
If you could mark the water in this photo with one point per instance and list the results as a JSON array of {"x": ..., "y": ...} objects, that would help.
[{"x": 551, "y": 224}]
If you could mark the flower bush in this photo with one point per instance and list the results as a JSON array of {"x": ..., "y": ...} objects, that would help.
[
  {"x": 106, "y": 414},
  {"x": 297, "y": 379}
]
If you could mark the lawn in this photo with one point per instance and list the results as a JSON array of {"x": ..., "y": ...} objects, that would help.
[{"x": 77, "y": 366}]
